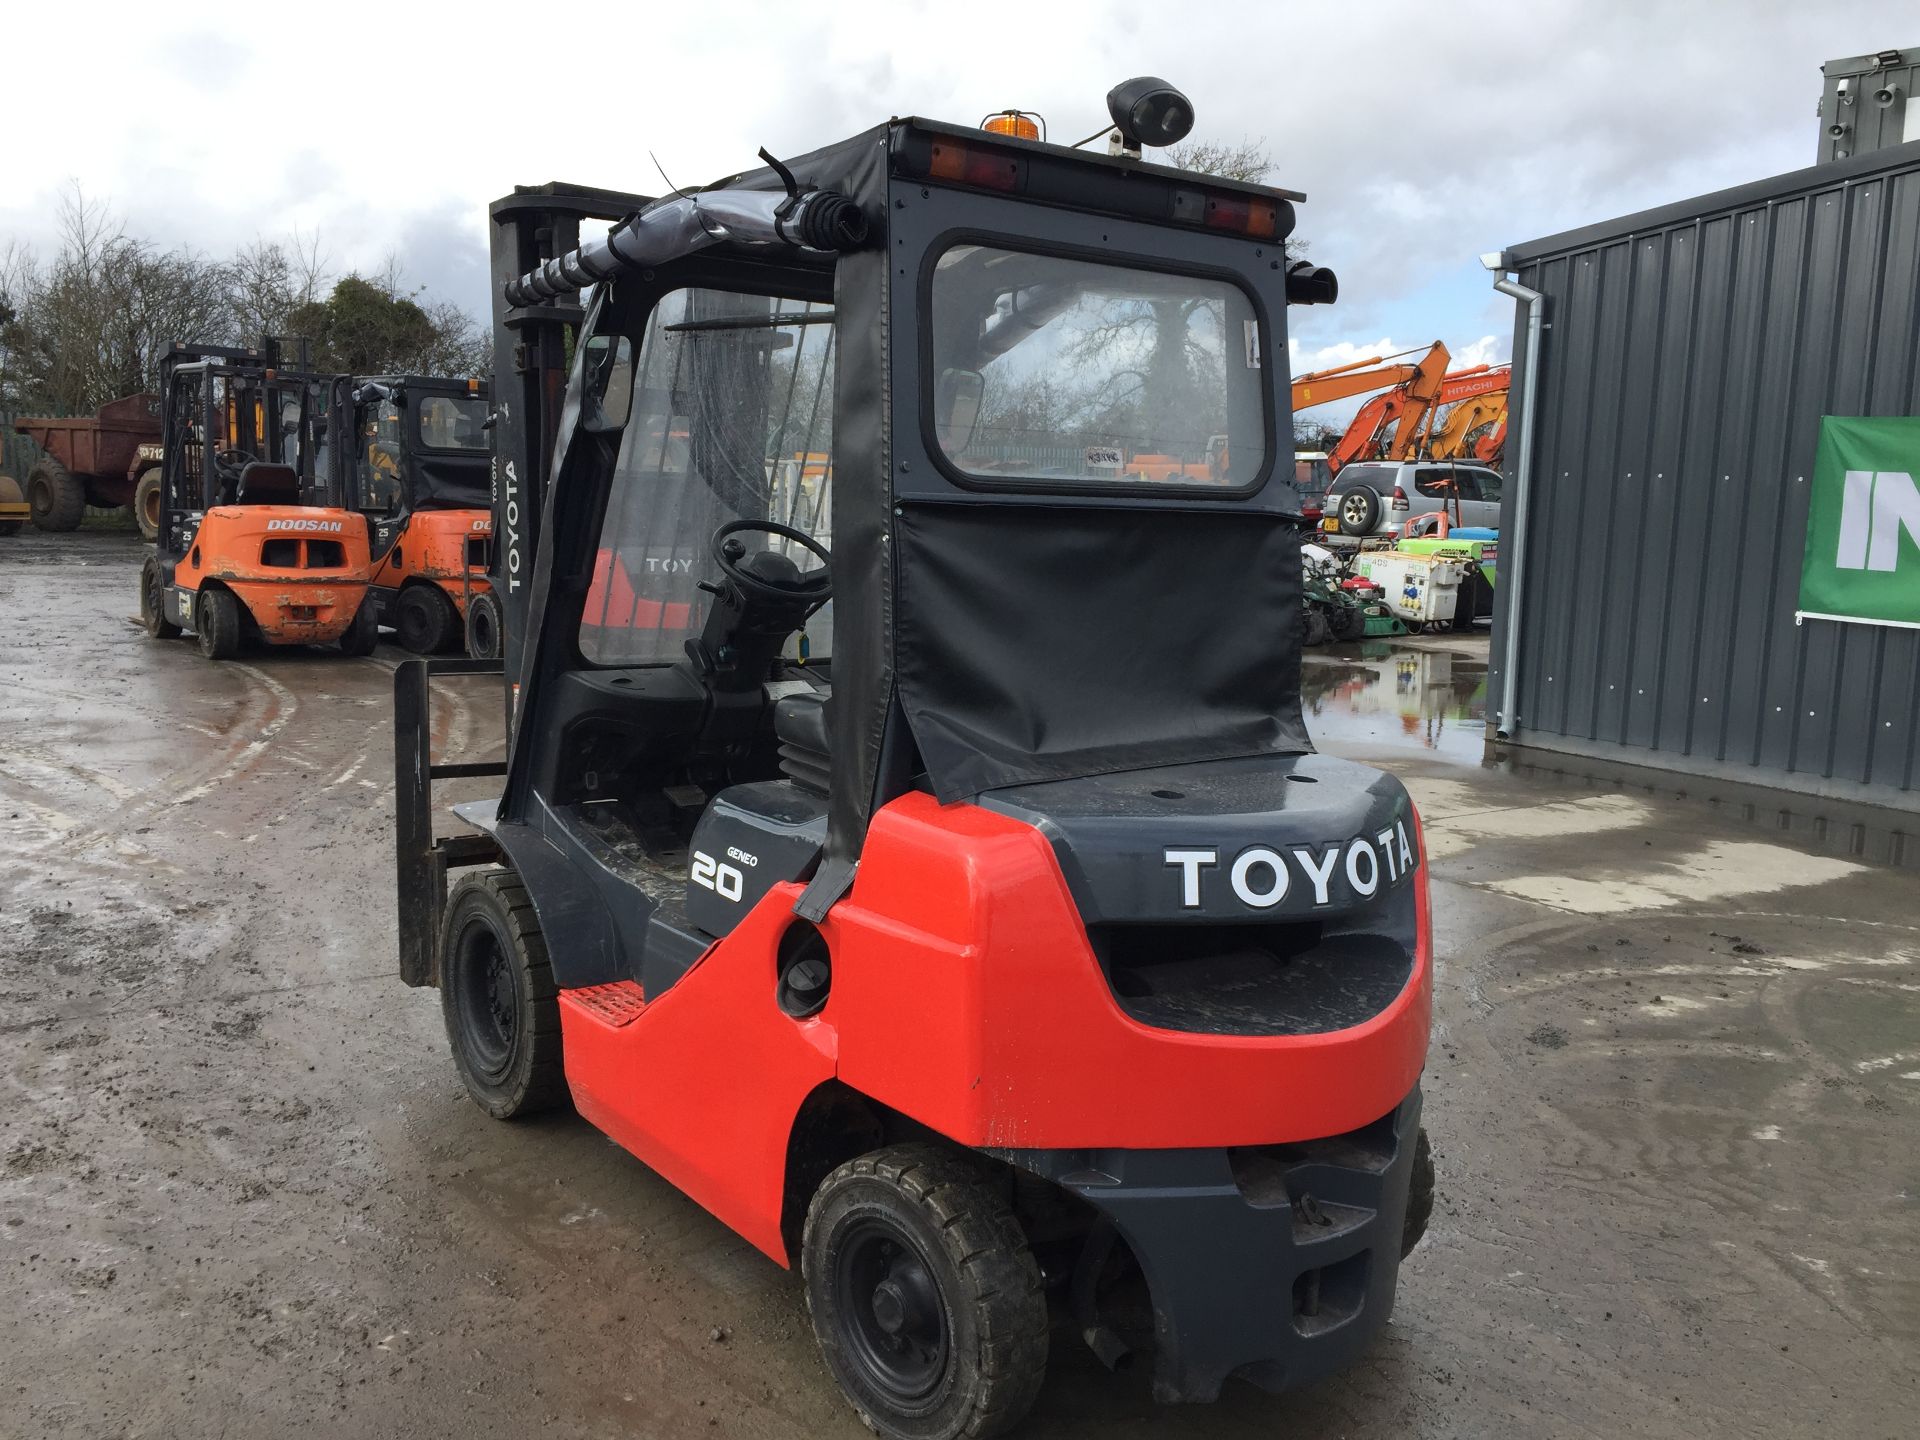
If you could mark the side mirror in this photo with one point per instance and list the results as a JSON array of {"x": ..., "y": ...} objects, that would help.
[
  {"x": 1310, "y": 284},
  {"x": 956, "y": 407}
]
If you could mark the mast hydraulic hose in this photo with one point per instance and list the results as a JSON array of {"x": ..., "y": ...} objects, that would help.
[{"x": 822, "y": 220}]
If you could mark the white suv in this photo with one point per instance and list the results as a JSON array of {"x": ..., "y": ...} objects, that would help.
[{"x": 1378, "y": 497}]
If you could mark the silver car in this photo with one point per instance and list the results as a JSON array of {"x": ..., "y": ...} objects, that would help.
[{"x": 1378, "y": 497}]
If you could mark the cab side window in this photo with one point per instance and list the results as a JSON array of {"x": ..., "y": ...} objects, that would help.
[{"x": 380, "y": 457}]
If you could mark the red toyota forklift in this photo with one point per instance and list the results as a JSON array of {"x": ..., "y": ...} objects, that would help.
[
  {"x": 413, "y": 458},
  {"x": 252, "y": 543},
  {"x": 1004, "y": 953}
]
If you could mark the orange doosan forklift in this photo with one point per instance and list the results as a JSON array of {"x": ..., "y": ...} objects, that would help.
[
  {"x": 246, "y": 549},
  {"x": 413, "y": 457},
  {"x": 1008, "y": 955}
]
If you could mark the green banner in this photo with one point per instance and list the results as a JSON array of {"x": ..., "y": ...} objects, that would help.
[{"x": 1863, "y": 524}]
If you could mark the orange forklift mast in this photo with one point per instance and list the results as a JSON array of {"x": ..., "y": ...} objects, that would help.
[
  {"x": 411, "y": 454},
  {"x": 250, "y": 547}
]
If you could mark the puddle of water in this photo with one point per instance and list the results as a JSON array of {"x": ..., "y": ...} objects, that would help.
[{"x": 1386, "y": 693}]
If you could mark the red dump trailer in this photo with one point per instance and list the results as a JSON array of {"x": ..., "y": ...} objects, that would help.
[{"x": 110, "y": 458}]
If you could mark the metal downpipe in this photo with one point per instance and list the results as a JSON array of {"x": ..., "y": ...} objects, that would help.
[{"x": 1513, "y": 547}]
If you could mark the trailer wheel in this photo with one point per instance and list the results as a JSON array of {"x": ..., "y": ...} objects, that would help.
[
  {"x": 153, "y": 608},
  {"x": 498, "y": 997},
  {"x": 1419, "y": 1196},
  {"x": 363, "y": 634},
  {"x": 146, "y": 503},
  {"x": 56, "y": 499},
  {"x": 483, "y": 626},
  {"x": 424, "y": 619},
  {"x": 925, "y": 1299},
  {"x": 216, "y": 621}
]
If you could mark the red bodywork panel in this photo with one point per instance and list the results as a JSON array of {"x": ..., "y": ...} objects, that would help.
[
  {"x": 614, "y": 602},
  {"x": 433, "y": 547},
  {"x": 966, "y": 996},
  {"x": 309, "y": 602}
]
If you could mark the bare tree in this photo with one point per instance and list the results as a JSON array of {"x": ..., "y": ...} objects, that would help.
[
  {"x": 93, "y": 324},
  {"x": 1247, "y": 160}
]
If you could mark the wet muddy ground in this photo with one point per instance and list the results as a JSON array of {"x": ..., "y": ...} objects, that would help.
[{"x": 1674, "y": 1091}]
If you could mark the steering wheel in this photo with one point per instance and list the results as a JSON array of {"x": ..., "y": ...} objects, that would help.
[
  {"x": 234, "y": 459},
  {"x": 816, "y": 587}
]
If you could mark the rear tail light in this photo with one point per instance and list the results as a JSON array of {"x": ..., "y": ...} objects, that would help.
[
  {"x": 967, "y": 166},
  {"x": 1400, "y": 501},
  {"x": 1243, "y": 215}
]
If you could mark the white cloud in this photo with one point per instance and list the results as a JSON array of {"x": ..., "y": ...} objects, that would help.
[{"x": 1423, "y": 135}]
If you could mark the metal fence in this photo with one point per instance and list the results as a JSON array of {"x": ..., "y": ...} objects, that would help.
[{"x": 1689, "y": 355}]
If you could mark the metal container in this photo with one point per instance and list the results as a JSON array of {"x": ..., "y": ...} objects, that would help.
[{"x": 1688, "y": 357}]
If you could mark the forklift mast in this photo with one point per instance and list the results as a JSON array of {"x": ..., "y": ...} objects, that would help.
[{"x": 532, "y": 344}]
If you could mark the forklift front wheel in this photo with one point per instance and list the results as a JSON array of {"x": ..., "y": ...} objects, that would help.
[
  {"x": 483, "y": 626},
  {"x": 216, "y": 621},
  {"x": 153, "y": 609},
  {"x": 498, "y": 998},
  {"x": 925, "y": 1299}
]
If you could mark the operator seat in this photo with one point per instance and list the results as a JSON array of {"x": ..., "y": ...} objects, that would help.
[
  {"x": 800, "y": 724},
  {"x": 263, "y": 483}
]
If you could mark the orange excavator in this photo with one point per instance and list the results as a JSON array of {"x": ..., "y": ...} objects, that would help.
[
  {"x": 1471, "y": 419},
  {"x": 1412, "y": 389}
]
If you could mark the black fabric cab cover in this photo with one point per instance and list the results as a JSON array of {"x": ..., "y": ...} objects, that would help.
[{"x": 1043, "y": 643}]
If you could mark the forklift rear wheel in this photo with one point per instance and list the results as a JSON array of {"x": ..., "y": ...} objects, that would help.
[
  {"x": 364, "y": 633},
  {"x": 55, "y": 499},
  {"x": 498, "y": 998},
  {"x": 925, "y": 1299},
  {"x": 1419, "y": 1196},
  {"x": 483, "y": 626},
  {"x": 146, "y": 504},
  {"x": 153, "y": 610},
  {"x": 216, "y": 620},
  {"x": 424, "y": 618}
]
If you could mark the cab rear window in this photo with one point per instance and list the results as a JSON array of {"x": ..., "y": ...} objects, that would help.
[{"x": 1065, "y": 372}]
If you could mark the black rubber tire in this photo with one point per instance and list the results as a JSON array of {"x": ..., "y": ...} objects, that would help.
[
  {"x": 146, "y": 503},
  {"x": 56, "y": 500},
  {"x": 1314, "y": 628},
  {"x": 1419, "y": 1196},
  {"x": 424, "y": 619},
  {"x": 498, "y": 998},
  {"x": 363, "y": 634},
  {"x": 957, "y": 1248},
  {"x": 484, "y": 626},
  {"x": 1348, "y": 622},
  {"x": 1359, "y": 510},
  {"x": 153, "y": 612},
  {"x": 216, "y": 623}
]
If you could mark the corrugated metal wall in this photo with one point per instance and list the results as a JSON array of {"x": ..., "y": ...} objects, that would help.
[{"x": 1690, "y": 354}]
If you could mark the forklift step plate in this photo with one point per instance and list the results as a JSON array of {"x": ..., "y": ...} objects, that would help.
[{"x": 617, "y": 1004}]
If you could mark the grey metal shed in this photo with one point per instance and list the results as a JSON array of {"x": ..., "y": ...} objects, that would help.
[{"x": 1686, "y": 358}]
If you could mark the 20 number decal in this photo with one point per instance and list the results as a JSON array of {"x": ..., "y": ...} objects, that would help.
[{"x": 724, "y": 880}]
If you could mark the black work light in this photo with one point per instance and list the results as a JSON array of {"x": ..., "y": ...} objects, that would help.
[{"x": 1149, "y": 111}]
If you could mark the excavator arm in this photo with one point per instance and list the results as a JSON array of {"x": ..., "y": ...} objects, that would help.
[{"x": 1404, "y": 409}]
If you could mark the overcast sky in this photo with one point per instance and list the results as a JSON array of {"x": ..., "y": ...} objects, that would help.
[{"x": 1423, "y": 134}]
